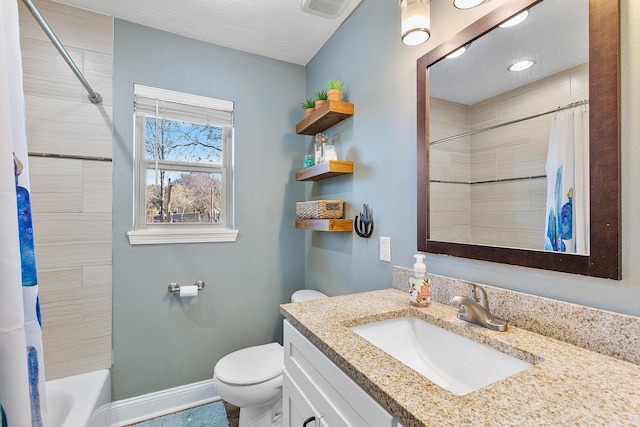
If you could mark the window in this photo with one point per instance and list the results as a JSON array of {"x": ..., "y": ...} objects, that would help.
[{"x": 183, "y": 150}]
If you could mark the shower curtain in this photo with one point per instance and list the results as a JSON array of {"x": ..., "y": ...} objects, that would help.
[
  {"x": 22, "y": 395},
  {"x": 567, "y": 224}
]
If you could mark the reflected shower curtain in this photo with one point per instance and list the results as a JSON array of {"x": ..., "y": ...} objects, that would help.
[
  {"x": 22, "y": 396},
  {"x": 567, "y": 224}
]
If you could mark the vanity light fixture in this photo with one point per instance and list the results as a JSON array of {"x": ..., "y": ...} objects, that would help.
[
  {"x": 416, "y": 21},
  {"x": 515, "y": 20},
  {"x": 467, "y": 4},
  {"x": 521, "y": 65}
]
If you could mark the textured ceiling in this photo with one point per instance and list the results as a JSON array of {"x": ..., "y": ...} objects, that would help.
[
  {"x": 277, "y": 29},
  {"x": 555, "y": 35}
]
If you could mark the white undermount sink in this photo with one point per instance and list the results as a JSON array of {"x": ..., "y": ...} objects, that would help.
[{"x": 455, "y": 363}]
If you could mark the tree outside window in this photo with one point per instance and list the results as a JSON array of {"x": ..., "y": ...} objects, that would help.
[{"x": 183, "y": 196}]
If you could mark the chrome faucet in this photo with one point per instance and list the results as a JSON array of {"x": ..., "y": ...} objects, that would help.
[{"x": 475, "y": 309}]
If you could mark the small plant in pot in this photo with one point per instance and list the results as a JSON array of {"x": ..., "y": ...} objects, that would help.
[
  {"x": 321, "y": 98},
  {"x": 334, "y": 89},
  {"x": 309, "y": 106}
]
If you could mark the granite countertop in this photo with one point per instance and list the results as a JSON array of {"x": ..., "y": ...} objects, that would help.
[{"x": 567, "y": 385}]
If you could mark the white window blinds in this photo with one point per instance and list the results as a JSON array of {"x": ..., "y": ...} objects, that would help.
[{"x": 164, "y": 103}]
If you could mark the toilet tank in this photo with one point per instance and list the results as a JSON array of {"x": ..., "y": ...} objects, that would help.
[{"x": 306, "y": 295}]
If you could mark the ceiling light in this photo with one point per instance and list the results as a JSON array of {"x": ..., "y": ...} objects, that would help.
[
  {"x": 416, "y": 21},
  {"x": 467, "y": 4},
  {"x": 458, "y": 52},
  {"x": 521, "y": 65},
  {"x": 515, "y": 20}
]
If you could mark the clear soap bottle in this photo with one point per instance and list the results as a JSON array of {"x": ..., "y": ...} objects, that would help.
[{"x": 419, "y": 286}]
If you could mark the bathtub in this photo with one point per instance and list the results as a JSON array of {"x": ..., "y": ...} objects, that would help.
[{"x": 71, "y": 401}]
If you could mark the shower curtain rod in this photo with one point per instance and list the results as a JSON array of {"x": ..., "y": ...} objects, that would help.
[
  {"x": 489, "y": 181},
  {"x": 94, "y": 97},
  {"x": 566, "y": 107}
]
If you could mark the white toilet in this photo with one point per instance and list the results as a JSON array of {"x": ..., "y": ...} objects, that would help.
[{"x": 251, "y": 378}]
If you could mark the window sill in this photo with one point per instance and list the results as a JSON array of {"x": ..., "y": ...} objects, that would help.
[{"x": 157, "y": 237}]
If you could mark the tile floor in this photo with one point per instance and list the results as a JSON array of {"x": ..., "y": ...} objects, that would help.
[{"x": 233, "y": 414}]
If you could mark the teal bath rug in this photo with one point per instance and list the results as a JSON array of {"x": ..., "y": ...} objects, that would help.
[{"x": 210, "y": 415}]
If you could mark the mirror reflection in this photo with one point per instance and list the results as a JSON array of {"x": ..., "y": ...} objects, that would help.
[{"x": 509, "y": 155}]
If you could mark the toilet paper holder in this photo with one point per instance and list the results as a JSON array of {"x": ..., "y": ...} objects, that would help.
[{"x": 174, "y": 287}]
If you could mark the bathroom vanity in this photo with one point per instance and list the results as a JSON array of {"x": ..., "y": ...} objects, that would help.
[
  {"x": 335, "y": 377},
  {"x": 316, "y": 390}
]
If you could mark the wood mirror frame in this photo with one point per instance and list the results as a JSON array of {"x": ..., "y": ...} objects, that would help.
[{"x": 604, "y": 259}]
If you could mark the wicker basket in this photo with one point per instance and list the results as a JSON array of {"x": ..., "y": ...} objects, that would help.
[{"x": 320, "y": 209}]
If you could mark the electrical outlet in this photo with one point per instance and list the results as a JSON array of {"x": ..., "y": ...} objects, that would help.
[{"x": 385, "y": 249}]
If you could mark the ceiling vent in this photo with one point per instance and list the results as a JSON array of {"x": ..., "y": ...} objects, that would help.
[{"x": 325, "y": 8}]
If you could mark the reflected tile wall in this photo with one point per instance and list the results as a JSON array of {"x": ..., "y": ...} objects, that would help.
[{"x": 497, "y": 212}]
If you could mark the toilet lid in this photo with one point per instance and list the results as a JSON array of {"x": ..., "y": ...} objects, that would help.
[
  {"x": 251, "y": 365},
  {"x": 306, "y": 295}
]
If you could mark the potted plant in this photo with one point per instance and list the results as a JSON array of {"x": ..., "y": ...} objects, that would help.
[
  {"x": 321, "y": 98},
  {"x": 334, "y": 89},
  {"x": 309, "y": 106}
]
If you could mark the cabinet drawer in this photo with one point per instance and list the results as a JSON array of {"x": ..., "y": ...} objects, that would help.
[{"x": 336, "y": 396}]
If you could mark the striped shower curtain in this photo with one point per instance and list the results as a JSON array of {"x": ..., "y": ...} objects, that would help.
[{"x": 22, "y": 395}]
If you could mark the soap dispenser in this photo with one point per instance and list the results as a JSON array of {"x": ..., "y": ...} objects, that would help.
[{"x": 419, "y": 286}]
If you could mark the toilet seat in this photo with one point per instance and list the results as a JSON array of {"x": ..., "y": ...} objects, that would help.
[{"x": 251, "y": 365}]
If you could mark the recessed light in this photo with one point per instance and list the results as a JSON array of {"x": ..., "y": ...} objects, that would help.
[
  {"x": 467, "y": 4},
  {"x": 521, "y": 65},
  {"x": 515, "y": 20},
  {"x": 456, "y": 53}
]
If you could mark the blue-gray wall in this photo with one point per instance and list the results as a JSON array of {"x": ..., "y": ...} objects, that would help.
[
  {"x": 160, "y": 341},
  {"x": 380, "y": 77}
]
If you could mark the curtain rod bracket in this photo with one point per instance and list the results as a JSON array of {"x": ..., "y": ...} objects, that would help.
[{"x": 96, "y": 98}]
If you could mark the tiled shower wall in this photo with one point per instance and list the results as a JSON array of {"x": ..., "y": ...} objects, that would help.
[
  {"x": 71, "y": 199},
  {"x": 491, "y": 211},
  {"x": 450, "y": 165},
  {"x": 512, "y": 213}
]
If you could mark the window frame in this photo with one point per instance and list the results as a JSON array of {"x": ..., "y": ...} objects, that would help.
[{"x": 161, "y": 233}]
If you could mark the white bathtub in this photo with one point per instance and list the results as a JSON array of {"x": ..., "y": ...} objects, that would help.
[{"x": 72, "y": 400}]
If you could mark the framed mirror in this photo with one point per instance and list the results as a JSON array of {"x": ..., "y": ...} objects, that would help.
[{"x": 485, "y": 143}]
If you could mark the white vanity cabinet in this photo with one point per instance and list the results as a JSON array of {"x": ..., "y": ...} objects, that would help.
[
  {"x": 314, "y": 387},
  {"x": 298, "y": 411}
]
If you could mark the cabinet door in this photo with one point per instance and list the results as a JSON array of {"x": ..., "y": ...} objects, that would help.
[
  {"x": 297, "y": 409},
  {"x": 337, "y": 397}
]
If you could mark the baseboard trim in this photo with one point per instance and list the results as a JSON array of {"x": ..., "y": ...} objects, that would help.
[{"x": 147, "y": 406}]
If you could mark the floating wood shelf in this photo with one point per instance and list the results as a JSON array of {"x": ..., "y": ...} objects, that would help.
[
  {"x": 325, "y": 224},
  {"x": 325, "y": 170},
  {"x": 330, "y": 113}
]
